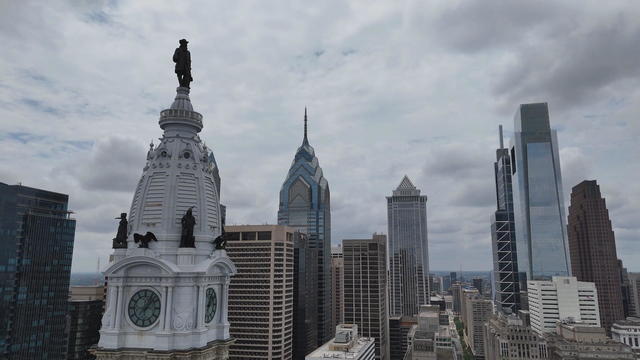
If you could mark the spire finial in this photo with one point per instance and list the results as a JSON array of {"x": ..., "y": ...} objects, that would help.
[
  {"x": 501, "y": 139},
  {"x": 305, "y": 140}
]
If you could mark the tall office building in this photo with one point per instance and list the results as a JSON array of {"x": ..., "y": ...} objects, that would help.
[
  {"x": 634, "y": 294},
  {"x": 408, "y": 250},
  {"x": 337, "y": 285},
  {"x": 477, "y": 311},
  {"x": 541, "y": 237},
  {"x": 593, "y": 249},
  {"x": 456, "y": 294},
  {"x": 506, "y": 287},
  {"x": 305, "y": 296},
  {"x": 365, "y": 286},
  {"x": 625, "y": 283},
  {"x": 399, "y": 327},
  {"x": 305, "y": 205},
  {"x": 562, "y": 298},
  {"x": 168, "y": 281},
  {"x": 261, "y": 294},
  {"x": 36, "y": 247},
  {"x": 478, "y": 283},
  {"x": 86, "y": 305}
]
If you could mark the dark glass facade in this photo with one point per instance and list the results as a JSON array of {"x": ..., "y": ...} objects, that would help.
[
  {"x": 506, "y": 288},
  {"x": 399, "y": 327},
  {"x": 541, "y": 233},
  {"x": 84, "y": 325},
  {"x": 305, "y": 297},
  {"x": 306, "y": 206},
  {"x": 36, "y": 247}
]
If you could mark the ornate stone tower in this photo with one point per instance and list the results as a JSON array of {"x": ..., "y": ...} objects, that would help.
[{"x": 167, "y": 283}]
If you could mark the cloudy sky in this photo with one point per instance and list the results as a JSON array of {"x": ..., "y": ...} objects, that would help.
[{"x": 392, "y": 88}]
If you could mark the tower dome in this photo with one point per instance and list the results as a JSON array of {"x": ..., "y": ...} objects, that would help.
[{"x": 180, "y": 174}]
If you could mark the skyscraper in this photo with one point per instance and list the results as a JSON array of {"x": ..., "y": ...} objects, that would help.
[
  {"x": 305, "y": 296},
  {"x": 261, "y": 295},
  {"x": 503, "y": 236},
  {"x": 365, "y": 284},
  {"x": 337, "y": 285},
  {"x": 593, "y": 249},
  {"x": 305, "y": 205},
  {"x": 36, "y": 247},
  {"x": 86, "y": 305},
  {"x": 541, "y": 237},
  {"x": 408, "y": 250},
  {"x": 477, "y": 311}
]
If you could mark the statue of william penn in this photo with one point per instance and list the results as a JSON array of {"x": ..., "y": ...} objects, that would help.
[{"x": 182, "y": 58}]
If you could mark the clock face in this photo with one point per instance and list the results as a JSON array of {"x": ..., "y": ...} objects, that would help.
[
  {"x": 212, "y": 304},
  {"x": 144, "y": 308}
]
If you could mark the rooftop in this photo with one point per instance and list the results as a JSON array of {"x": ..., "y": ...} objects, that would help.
[{"x": 346, "y": 344}]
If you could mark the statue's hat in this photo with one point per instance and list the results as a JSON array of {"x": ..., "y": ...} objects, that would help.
[{"x": 183, "y": 41}]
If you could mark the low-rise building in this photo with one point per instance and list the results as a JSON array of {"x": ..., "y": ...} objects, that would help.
[
  {"x": 578, "y": 341},
  {"x": 347, "y": 344},
  {"x": 627, "y": 332},
  {"x": 429, "y": 340},
  {"x": 508, "y": 337}
]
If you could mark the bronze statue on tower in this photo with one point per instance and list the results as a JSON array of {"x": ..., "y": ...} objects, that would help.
[{"x": 182, "y": 58}]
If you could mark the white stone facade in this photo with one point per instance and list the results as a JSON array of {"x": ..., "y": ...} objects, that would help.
[
  {"x": 627, "y": 332},
  {"x": 178, "y": 175},
  {"x": 562, "y": 298}
]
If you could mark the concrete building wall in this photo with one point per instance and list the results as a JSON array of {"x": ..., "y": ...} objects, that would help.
[
  {"x": 560, "y": 299},
  {"x": 365, "y": 289},
  {"x": 261, "y": 294}
]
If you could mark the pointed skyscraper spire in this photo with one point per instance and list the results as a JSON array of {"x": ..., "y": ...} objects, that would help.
[{"x": 305, "y": 141}]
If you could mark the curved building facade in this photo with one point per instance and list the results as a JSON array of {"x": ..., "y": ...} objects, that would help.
[{"x": 305, "y": 206}]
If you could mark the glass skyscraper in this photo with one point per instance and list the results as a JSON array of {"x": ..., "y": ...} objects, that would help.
[
  {"x": 541, "y": 234},
  {"x": 408, "y": 250},
  {"x": 305, "y": 205},
  {"x": 36, "y": 247},
  {"x": 506, "y": 289}
]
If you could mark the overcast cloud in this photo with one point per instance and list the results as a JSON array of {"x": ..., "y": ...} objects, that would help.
[{"x": 392, "y": 88}]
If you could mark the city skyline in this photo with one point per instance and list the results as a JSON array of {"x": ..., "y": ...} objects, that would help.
[{"x": 68, "y": 128}]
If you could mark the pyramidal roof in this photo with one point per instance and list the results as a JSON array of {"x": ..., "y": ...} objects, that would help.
[
  {"x": 406, "y": 188},
  {"x": 406, "y": 184}
]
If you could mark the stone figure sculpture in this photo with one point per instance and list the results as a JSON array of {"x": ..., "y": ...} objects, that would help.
[
  {"x": 221, "y": 241},
  {"x": 120, "y": 241},
  {"x": 182, "y": 58},
  {"x": 145, "y": 239},
  {"x": 188, "y": 222}
]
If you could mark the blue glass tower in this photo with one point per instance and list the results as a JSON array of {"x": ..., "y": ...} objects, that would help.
[
  {"x": 36, "y": 247},
  {"x": 541, "y": 234},
  {"x": 305, "y": 205}
]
